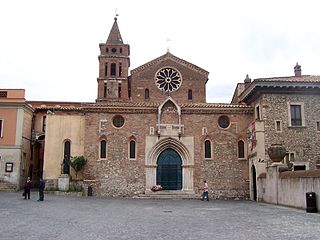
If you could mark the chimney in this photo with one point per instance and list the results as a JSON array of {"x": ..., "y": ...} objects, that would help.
[
  {"x": 297, "y": 70},
  {"x": 247, "y": 81}
]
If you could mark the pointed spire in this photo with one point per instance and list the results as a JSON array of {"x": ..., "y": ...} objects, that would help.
[{"x": 114, "y": 35}]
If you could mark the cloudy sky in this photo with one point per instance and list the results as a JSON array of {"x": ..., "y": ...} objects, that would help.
[{"x": 50, "y": 48}]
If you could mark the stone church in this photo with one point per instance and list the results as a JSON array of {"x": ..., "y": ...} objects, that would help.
[{"x": 153, "y": 126}]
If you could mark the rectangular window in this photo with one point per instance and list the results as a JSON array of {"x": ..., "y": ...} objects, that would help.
[
  {"x": 120, "y": 69},
  {"x": 9, "y": 167},
  {"x": 299, "y": 167},
  {"x": 278, "y": 126},
  {"x": 318, "y": 126},
  {"x": 119, "y": 90},
  {"x": 106, "y": 69},
  {"x": 257, "y": 112},
  {"x": 296, "y": 117},
  {"x": 105, "y": 89},
  {"x": 189, "y": 94},
  {"x": 1, "y": 128},
  {"x": 44, "y": 123}
]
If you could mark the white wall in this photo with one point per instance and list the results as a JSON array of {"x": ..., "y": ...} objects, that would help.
[{"x": 289, "y": 190}]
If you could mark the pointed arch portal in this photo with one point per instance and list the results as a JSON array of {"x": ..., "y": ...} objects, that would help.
[
  {"x": 169, "y": 170},
  {"x": 170, "y": 163}
]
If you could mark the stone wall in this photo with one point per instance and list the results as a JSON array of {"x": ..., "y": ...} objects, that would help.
[
  {"x": 191, "y": 79},
  {"x": 289, "y": 188},
  {"x": 116, "y": 175},
  {"x": 303, "y": 141}
]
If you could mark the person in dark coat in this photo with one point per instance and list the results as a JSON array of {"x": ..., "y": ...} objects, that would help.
[
  {"x": 42, "y": 185},
  {"x": 27, "y": 187}
]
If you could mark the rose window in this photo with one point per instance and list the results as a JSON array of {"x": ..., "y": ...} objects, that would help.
[{"x": 168, "y": 79}]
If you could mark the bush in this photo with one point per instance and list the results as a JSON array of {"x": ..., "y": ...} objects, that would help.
[{"x": 77, "y": 163}]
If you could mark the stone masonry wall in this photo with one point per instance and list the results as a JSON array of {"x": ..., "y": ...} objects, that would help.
[
  {"x": 117, "y": 175},
  {"x": 303, "y": 141},
  {"x": 190, "y": 80},
  {"x": 227, "y": 176}
]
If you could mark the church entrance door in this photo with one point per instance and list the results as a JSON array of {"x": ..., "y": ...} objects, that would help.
[{"x": 169, "y": 170}]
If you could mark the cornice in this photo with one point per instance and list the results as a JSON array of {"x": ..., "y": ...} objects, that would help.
[{"x": 281, "y": 85}]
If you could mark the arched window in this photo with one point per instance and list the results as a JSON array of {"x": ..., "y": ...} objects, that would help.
[
  {"x": 113, "y": 69},
  {"x": 189, "y": 94},
  {"x": 240, "y": 149},
  {"x": 146, "y": 93},
  {"x": 207, "y": 149},
  {"x": 132, "y": 149},
  {"x": 103, "y": 149},
  {"x": 66, "y": 157}
]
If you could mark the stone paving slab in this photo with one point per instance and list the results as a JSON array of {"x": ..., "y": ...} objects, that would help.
[{"x": 61, "y": 217}]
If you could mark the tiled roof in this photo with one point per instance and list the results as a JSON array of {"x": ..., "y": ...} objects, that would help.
[
  {"x": 293, "y": 82},
  {"x": 154, "y": 104},
  {"x": 303, "y": 78},
  {"x": 142, "y": 107}
]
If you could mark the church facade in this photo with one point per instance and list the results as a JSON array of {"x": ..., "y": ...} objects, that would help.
[{"x": 153, "y": 126}]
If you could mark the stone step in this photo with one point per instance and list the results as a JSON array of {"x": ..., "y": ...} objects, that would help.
[
  {"x": 169, "y": 195},
  {"x": 6, "y": 186}
]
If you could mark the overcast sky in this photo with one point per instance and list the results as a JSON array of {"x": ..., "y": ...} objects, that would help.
[{"x": 51, "y": 48}]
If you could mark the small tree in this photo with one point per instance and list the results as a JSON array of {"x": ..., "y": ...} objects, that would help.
[{"x": 77, "y": 163}]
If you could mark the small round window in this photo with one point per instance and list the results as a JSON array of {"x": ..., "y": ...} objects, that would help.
[
  {"x": 113, "y": 50},
  {"x": 223, "y": 122},
  {"x": 118, "y": 121}
]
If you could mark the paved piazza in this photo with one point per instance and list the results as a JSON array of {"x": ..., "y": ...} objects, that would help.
[{"x": 60, "y": 217}]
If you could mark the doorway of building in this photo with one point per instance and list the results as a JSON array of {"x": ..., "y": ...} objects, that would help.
[
  {"x": 254, "y": 183},
  {"x": 169, "y": 170}
]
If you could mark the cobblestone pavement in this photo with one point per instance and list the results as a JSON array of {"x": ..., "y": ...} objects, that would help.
[{"x": 60, "y": 217}]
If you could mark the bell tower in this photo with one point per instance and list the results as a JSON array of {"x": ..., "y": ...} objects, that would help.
[{"x": 114, "y": 63}]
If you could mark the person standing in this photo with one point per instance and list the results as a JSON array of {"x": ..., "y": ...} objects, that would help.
[
  {"x": 42, "y": 185},
  {"x": 205, "y": 195},
  {"x": 27, "y": 188}
]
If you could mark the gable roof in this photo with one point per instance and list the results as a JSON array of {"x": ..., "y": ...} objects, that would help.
[{"x": 170, "y": 56}]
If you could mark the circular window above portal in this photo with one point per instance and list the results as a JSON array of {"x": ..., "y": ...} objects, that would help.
[
  {"x": 118, "y": 121},
  {"x": 113, "y": 50},
  {"x": 223, "y": 121},
  {"x": 168, "y": 79}
]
